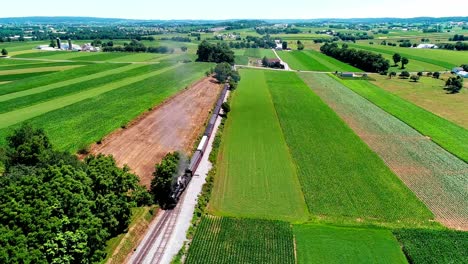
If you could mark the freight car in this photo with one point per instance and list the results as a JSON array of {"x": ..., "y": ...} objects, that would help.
[{"x": 183, "y": 181}]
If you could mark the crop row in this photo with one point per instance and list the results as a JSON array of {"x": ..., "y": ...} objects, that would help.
[{"x": 229, "y": 240}]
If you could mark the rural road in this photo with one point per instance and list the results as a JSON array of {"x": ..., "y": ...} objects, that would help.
[
  {"x": 167, "y": 233},
  {"x": 286, "y": 66}
]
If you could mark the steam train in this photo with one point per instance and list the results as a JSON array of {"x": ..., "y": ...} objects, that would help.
[{"x": 183, "y": 181}]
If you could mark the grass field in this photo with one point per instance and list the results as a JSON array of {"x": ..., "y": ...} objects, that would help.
[
  {"x": 328, "y": 244},
  {"x": 256, "y": 175},
  {"x": 340, "y": 176},
  {"x": 259, "y": 53},
  {"x": 413, "y": 66},
  {"x": 30, "y": 97},
  {"x": 443, "y": 58},
  {"x": 434, "y": 246},
  {"x": 314, "y": 61},
  {"x": 448, "y": 135},
  {"x": 428, "y": 93},
  {"x": 229, "y": 240},
  {"x": 94, "y": 57},
  {"x": 20, "y": 76},
  {"x": 437, "y": 177},
  {"x": 58, "y": 77},
  {"x": 116, "y": 103}
]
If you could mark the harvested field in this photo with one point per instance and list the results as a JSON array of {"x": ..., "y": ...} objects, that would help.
[
  {"x": 172, "y": 126},
  {"x": 437, "y": 177}
]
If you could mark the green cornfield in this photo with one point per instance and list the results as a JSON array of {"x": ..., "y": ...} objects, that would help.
[{"x": 221, "y": 240}]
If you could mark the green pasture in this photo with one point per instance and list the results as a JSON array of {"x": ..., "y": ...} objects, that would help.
[
  {"x": 443, "y": 58},
  {"x": 314, "y": 61},
  {"x": 328, "y": 245}
]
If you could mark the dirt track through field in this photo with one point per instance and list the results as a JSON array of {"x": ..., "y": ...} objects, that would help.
[{"x": 172, "y": 126}]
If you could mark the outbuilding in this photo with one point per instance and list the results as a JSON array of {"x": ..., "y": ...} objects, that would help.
[
  {"x": 457, "y": 69},
  {"x": 348, "y": 74}
]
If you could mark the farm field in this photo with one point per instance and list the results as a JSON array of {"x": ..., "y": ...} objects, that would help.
[
  {"x": 328, "y": 244},
  {"x": 255, "y": 170},
  {"x": 348, "y": 181},
  {"x": 94, "y": 57},
  {"x": 413, "y": 66},
  {"x": 30, "y": 97},
  {"x": 433, "y": 246},
  {"x": 448, "y": 135},
  {"x": 230, "y": 240},
  {"x": 259, "y": 53},
  {"x": 314, "y": 61},
  {"x": 61, "y": 116},
  {"x": 172, "y": 126},
  {"x": 437, "y": 177},
  {"x": 54, "y": 80},
  {"x": 428, "y": 93},
  {"x": 443, "y": 58}
]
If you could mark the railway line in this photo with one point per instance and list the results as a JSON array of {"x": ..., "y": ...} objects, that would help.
[{"x": 155, "y": 243}]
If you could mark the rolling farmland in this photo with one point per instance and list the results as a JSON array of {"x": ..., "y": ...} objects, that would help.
[
  {"x": 328, "y": 244},
  {"x": 428, "y": 93},
  {"x": 69, "y": 99},
  {"x": 443, "y": 58},
  {"x": 256, "y": 172},
  {"x": 230, "y": 240},
  {"x": 348, "y": 180},
  {"x": 447, "y": 134},
  {"x": 314, "y": 61},
  {"x": 437, "y": 177}
]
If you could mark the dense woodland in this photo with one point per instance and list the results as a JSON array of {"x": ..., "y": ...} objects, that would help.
[
  {"x": 55, "y": 208},
  {"x": 218, "y": 53}
]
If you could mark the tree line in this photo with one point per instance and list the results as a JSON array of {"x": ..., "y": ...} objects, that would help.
[
  {"x": 136, "y": 46},
  {"x": 55, "y": 208},
  {"x": 364, "y": 60}
]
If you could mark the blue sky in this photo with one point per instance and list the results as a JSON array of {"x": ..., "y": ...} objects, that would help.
[{"x": 208, "y": 9}]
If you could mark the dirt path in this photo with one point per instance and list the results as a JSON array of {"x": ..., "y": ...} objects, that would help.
[{"x": 172, "y": 126}]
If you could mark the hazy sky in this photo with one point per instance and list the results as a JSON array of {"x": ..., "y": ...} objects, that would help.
[{"x": 208, "y": 9}]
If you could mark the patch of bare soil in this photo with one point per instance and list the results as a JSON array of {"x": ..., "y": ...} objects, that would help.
[{"x": 172, "y": 126}]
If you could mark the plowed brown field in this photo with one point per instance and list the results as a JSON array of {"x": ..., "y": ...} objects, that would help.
[{"x": 172, "y": 126}]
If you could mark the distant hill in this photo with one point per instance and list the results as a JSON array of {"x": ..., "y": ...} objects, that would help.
[{"x": 96, "y": 20}]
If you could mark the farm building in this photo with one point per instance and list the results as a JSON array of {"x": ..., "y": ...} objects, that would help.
[
  {"x": 427, "y": 46},
  {"x": 457, "y": 69},
  {"x": 348, "y": 75},
  {"x": 462, "y": 74}
]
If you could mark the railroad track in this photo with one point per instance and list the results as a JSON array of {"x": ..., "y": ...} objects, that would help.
[{"x": 159, "y": 236}]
